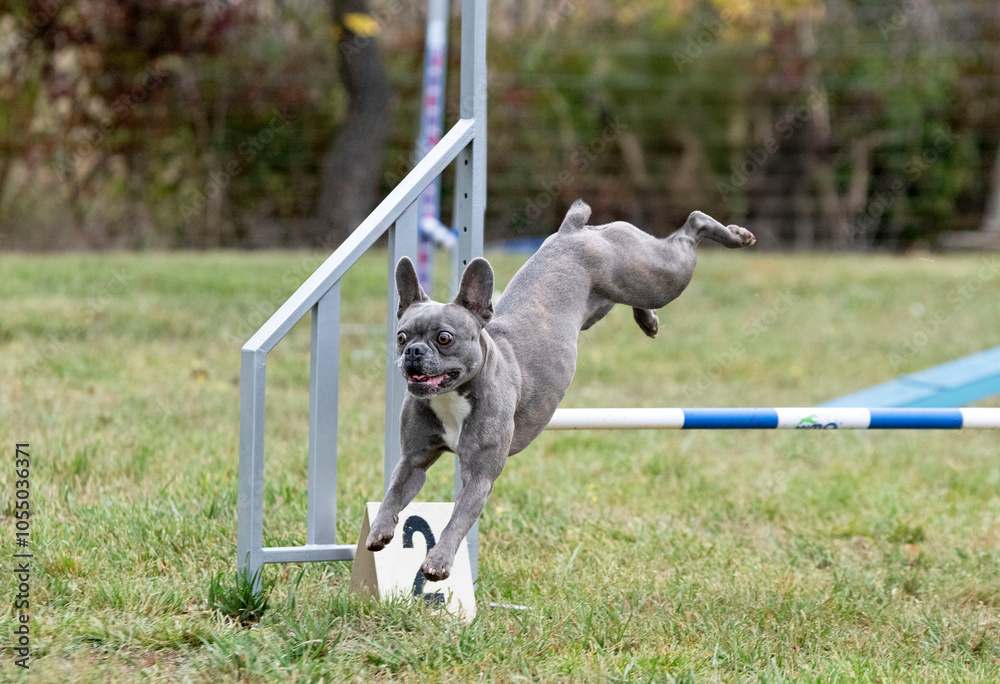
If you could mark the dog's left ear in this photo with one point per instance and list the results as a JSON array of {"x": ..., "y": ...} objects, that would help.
[{"x": 476, "y": 291}]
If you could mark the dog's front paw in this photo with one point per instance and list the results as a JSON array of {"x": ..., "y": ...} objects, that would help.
[
  {"x": 435, "y": 569},
  {"x": 744, "y": 238},
  {"x": 381, "y": 534}
]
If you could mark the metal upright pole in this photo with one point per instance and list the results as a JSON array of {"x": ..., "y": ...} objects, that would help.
[
  {"x": 324, "y": 368},
  {"x": 402, "y": 242},
  {"x": 470, "y": 174},
  {"x": 250, "y": 502}
]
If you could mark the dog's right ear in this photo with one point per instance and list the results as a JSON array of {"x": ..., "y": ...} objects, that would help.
[{"x": 408, "y": 286}]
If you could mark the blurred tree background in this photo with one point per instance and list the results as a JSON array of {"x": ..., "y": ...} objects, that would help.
[{"x": 835, "y": 124}]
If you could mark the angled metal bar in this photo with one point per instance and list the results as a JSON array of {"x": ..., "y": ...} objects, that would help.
[
  {"x": 324, "y": 366},
  {"x": 250, "y": 502},
  {"x": 331, "y": 270},
  {"x": 402, "y": 242}
]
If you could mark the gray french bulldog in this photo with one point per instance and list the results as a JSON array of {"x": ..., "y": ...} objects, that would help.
[{"x": 484, "y": 384}]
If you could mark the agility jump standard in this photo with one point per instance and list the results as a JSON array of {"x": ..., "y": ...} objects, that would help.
[{"x": 813, "y": 418}]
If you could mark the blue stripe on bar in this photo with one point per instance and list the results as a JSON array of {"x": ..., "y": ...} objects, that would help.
[
  {"x": 915, "y": 419},
  {"x": 733, "y": 419}
]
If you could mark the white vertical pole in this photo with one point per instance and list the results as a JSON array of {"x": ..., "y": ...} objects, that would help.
[
  {"x": 250, "y": 501},
  {"x": 324, "y": 366},
  {"x": 402, "y": 242},
  {"x": 470, "y": 175}
]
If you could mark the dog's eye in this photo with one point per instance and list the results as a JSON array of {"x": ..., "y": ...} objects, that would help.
[
  {"x": 444, "y": 337},
  {"x": 401, "y": 338}
]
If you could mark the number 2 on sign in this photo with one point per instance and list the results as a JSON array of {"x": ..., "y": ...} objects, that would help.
[{"x": 415, "y": 524}]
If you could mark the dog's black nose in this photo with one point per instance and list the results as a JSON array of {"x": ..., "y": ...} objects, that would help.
[{"x": 414, "y": 352}]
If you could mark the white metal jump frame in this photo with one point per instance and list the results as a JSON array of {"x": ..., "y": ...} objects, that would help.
[{"x": 397, "y": 214}]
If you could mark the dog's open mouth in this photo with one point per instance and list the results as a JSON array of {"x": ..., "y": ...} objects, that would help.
[{"x": 431, "y": 380}]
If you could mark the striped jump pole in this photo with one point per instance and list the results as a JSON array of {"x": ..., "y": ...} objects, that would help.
[{"x": 815, "y": 418}]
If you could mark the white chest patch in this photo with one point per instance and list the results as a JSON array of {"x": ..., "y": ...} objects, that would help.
[{"x": 452, "y": 409}]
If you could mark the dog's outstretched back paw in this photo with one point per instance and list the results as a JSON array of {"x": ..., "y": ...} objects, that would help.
[
  {"x": 741, "y": 237},
  {"x": 700, "y": 225}
]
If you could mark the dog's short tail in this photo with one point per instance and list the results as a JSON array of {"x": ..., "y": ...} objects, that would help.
[{"x": 576, "y": 217}]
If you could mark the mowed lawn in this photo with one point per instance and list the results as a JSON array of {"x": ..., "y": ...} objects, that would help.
[{"x": 642, "y": 556}]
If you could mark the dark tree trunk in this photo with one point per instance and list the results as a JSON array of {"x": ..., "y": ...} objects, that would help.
[{"x": 351, "y": 168}]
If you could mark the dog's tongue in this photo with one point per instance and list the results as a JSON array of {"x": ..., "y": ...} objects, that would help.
[{"x": 433, "y": 380}]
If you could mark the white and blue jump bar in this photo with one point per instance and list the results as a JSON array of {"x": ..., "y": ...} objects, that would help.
[{"x": 815, "y": 418}]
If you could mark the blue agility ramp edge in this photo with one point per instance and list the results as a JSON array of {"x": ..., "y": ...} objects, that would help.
[{"x": 955, "y": 383}]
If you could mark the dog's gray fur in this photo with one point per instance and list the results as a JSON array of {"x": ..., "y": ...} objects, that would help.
[{"x": 487, "y": 391}]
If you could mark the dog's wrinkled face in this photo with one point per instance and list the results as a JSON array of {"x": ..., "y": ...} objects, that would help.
[{"x": 439, "y": 346}]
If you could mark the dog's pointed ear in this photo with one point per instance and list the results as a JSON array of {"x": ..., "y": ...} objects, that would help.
[
  {"x": 476, "y": 291},
  {"x": 408, "y": 286}
]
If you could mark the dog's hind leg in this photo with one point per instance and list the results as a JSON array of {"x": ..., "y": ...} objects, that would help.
[
  {"x": 599, "y": 308},
  {"x": 646, "y": 318},
  {"x": 646, "y": 273},
  {"x": 700, "y": 225}
]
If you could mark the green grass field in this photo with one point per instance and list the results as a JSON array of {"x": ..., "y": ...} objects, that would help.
[{"x": 643, "y": 556}]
